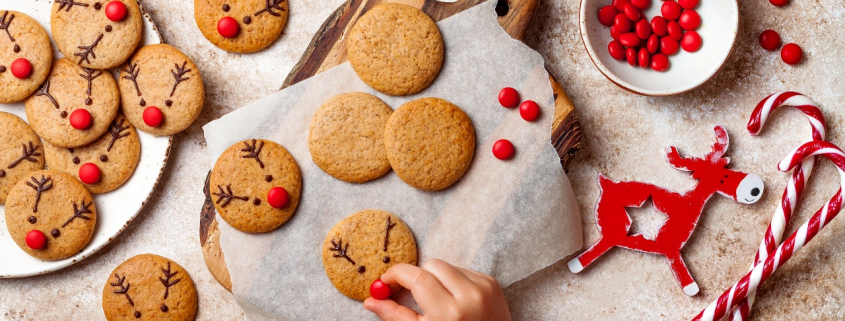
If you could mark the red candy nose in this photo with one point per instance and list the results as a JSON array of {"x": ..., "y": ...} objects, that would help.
[
  {"x": 503, "y": 149},
  {"x": 228, "y": 27},
  {"x": 116, "y": 11},
  {"x": 277, "y": 197},
  {"x": 89, "y": 173},
  {"x": 80, "y": 119},
  {"x": 153, "y": 116},
  {"x": 36, "y": 240},
  {"x": 508, "y": 97},
  {"x": 379, "y": 290},
  {"x": 21, "y": 68}
]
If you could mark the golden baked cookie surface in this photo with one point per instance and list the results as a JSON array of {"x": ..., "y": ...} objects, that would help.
[
  {"x": 84, "y": 33},
  {"x": 149, "y": 287},
  {"x": 260, "y": 22},
  {"x": 25, "y": 39}
]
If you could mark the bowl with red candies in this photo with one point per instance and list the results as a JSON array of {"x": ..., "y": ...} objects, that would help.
[{"x": 659, "y": 48}]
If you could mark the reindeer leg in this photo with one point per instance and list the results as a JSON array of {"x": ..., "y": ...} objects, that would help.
[
  {"x": 591, "y": 255},
  {"x": 682, "y": 274}
]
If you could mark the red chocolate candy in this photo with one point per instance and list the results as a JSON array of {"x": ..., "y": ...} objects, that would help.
[
  {"x": 688, "y": 4},
  {"x": 607, "y": 14},
  {"x": 641, "y": 4},
  {"x": 116, "y": 11},
  {"x": 622, "y": 22},
  {"x": 21, "y": 68},
  {"x": 508, "y": 97},
  {"x": 691, "y": 41},
  {"x": 791, "y": 54},
  {"x": 503, "y": 149},
  {"x": 379, "y": 290},
  {"x": 674, "y": 30},
  {"x": 659, "y": 62},
  {"x": 89, "y": 173},
  {"x": 35, "y": 239},
  {"x": 643, "y": 57},
  {"x": 153, "y": 116},
  {"x": 769, "y": 40},
  {"x": 671, "y": 10},
  {"x": 80, "y": 119},
  {"x": 631, "y": 12},
  {"x": 643, "y": 29},
  {"x": 228, "y": 27},
  {"x": 631, "y": 54},
  {"x": 653, "y": 44},
  {"x": 689, "y": 20},
  {"x": 618, "y": 4},
  {"x": 529, "y": 110},
  {"x": 629, "y": 40},
  {"x": 658, "y": 26},
  {"x": 615, "y": 32},
  {"x": 277, "y": 197},
  {"x": 668, "y": 46},
  {"x": 616, "y": 50},
  {"x": 779, "y": 3}
]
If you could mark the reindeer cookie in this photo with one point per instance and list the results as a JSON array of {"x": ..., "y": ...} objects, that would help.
[
  {"x": 241, "y": 25},
  {"x": 50, "y": 215},
  {"x": 255, "y": 185},
  {"x": 149, "y": 287},
  {"x": 75, "y": 106},
  {"x": 103, "y": 165},
  {"x": 161, "y": 90},
  {"x": 25, "y": 56},
  {"x": 96, "y": 34},
  {"x": 20, "y": 152},
  {"x": 361, "y": 247}
]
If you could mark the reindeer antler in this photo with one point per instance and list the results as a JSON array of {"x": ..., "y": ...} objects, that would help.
[
  {"x": 88, "y": 51},
  {"x": 340, "y": 248},
  {"x": 29, "y": 154},
  {"x": 720, "y": 146},
  {"x": 177, "y": 75},
  {"x": 79, "y": 212},
  {"x": 4, "y": 24},
  {"x": 133, "y": 70},
  {"x": 166, "y": 280},
  {"x": 122, "y": 289},
  {"x": 41, "y": 186},
  {"x": 116, "y": 130}
]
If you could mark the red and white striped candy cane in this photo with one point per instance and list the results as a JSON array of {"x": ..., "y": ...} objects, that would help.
[
  {"x": 795, "y": 186},
  {"x": 761, "y": 272}
]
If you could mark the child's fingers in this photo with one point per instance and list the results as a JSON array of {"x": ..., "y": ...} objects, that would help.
[
  {"x": 389, "y": 310},
  {"x": 475, "y": 277},
  {"x": 427, "y": 290},
  {"x": 452, "y": 279}
]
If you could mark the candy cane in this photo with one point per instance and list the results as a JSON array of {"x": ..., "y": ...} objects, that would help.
[
  {"x": 795, "y": 185},
  {"x": 795, "y": 242}
]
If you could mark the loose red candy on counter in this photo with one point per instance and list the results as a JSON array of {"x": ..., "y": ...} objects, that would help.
[
  {"x": 658, "y": 26},
  {"x": 616, "y": 50},
  {"x": 277, "y": 197},
  {"x": 668, "y": 46},
  {"x": 379, "y": 290},
  {"x": 641, "y": 4},
  {"x": 89, "y": 173},
  {"x": 691, "y": 41},
  {"x": 631, "y": 12},
  {"x": 631, "y": 54},
  {"x": 21, "y": 68},
  {"x": 503, "y": 149},
  {"x": 153, "y": 116},
  {"x": 643, "y": 29},
  {"x": 35, "y": 239},
  {"x": 643, "y": 57},
  {"x": 508, "y": 97},
  {"x": 791, "y": 54},
  {"x": 622, "y": 22},
  {"x": 618, "y": 4},
  {"x": 659, "y": 62},
  {"x": 769, "y": 40},
  {"x": 80, "y": 119},
  {"x": 674, "y": 30},
  {"x": 689, "y": 20},
  {"x": 116, "y": 11},
  {"x": 653, "y": 44},
  {"x": 671, "y": 10},
  {"x": 629, "y": 40},
  {"x": 779, "y": 3},
  {"x": 615, "y": 32},
  {"x": 228, "y": 27},
  {"x": 529, "y": 110},
  {"x": 607, "y": 14},
  {"x": 688, "y": 4}
]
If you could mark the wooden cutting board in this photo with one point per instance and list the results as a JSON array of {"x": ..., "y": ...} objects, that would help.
[{"x": 328, "y": 49}]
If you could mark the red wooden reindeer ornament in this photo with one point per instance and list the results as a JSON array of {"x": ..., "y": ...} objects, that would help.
[{"x": 682, "y": 209}]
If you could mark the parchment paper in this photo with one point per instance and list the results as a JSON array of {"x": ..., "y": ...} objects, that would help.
[{"x": 504, "y": 218}]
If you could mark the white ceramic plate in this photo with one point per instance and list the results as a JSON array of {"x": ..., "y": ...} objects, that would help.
[
  {"x": 719, "y": 25},
  {"x": 115, "y": 209}
]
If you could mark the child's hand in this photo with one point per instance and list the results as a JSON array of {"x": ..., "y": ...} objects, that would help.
[{"x": 444, "y": 292}]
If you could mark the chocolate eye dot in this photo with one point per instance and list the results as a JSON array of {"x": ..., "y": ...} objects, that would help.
[
  {"x": 88, "y": 101},
  {"x": 137, "y": 314},
  {"x": 268, "y": 178},
  {"x": 97, "y": 6},
  {"x": 362, "y": 269},
  {"x": 386, "y": 259},
  {"x": 55, "y": 232},
  {"x": 247, "y": 20},
  {"x": 75, "y": 160},
  {"x": 2, "y": 173},
  {"x": 17, "y": 48},
  {"x": 143, "y": 102},
  {"x": 256, "y": 201},
  {"x": 63, "y": 114},
  {"x": 108, "y": 28},
  {"x": 168, "y": 103},
  {"x": 32, "y": 220},
  {"x": 2, "y": 68},
  {"x": 226, "y": 8},
  {"x": 104, "y": 158},
  {"x": 164, "y": 308}
]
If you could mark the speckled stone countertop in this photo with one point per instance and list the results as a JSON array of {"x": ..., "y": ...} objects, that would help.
[{"x": 623, "y": 135}]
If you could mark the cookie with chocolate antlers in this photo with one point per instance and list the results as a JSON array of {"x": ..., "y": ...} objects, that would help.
[
  {"x": 149, "y": 287},
  {"x": 241, "y": 25},
  {"x": 20, "y": 152},
  {"x": 25, "y": 56},
  {"x": 96, "y": 34},
  {"x": 161, "y": 90},
  {"x": 255, "y": 185}
]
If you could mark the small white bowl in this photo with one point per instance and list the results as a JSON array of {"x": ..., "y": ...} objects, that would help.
[{"x": 719, "y": 25}]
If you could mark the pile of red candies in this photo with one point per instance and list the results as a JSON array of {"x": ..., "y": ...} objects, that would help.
[
  {"x": 648, "y": 44},
  {"x": 529, "y": 110}
]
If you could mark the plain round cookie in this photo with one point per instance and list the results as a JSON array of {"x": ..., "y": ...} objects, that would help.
[
  {"x": 260, "y": 21},
  {"x": 20, "y": 152},
  {"x": 149, "y": 287},
  {"x": 346, "y": 138},
  {"x": 429, "y": 143},
  {"x": 241, "y": 179},
  {"x": 25, "y": 39},
  {"x": 83, "y": 32},
  {"x": 163, "y": 77},
  {"x": 361, "y": 247},
  {"x": 64, "y": 212},
  {"x": 65, "y": 91},
  {"x": 116, "y": 154},
  {"x": 396, "y": 49}
]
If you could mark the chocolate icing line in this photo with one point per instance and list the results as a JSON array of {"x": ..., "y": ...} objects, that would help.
[
  {"x": 227, "y": 195},
  {"x": 45, "y": 91},
  {"x": 341, "y": 250},
  {"x": 122, "y": 289},
  {"x": 79, "y": 212},
  {"x": 41, "y": 186},
  {"x": 166, "y": 280},
  {"x": 116, "y": 130},
  {"x": 270, "y": 6},
  {"x": 387, "y": 233},
  {"x": 133, "y": 70},
  {"x": 68, "y": 4},
  {"x": 90, "y": 75},
  {"x": 253, "y": 152},
  {"x": 4, "y": 24},
  {"x": 29, "y": 154},
  {"x": 177, "y": 74},
  {"x": 88, "y": 51}
]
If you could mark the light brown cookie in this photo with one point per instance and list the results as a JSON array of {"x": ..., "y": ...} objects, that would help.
[
  {"x": 245, "y": 185},
  {"x": 70, "y": 88},
  {"x": 57, "y": 208},
  {"x": 115, "y": 155},
  {"x": 21, "y": 37},
  {"x": 361, "y": 247},
  {"x": 255, "y": 23},
  {"x": 396, "y": 49},
  {"x": 149, "y": 287},
  {"x": 160, "y": 77},
  {"x": 346, "y": 138},
  {"x": 20, "y": 152},
  {"x": 84, "y": 31},
  {"x": 429, "y": 143}
]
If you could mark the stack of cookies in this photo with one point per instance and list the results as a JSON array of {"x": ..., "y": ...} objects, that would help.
[{"x": 81, "y": 120}]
